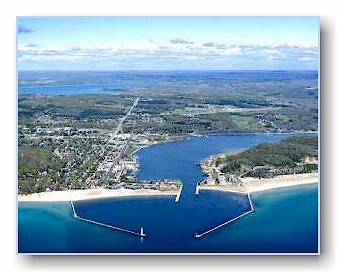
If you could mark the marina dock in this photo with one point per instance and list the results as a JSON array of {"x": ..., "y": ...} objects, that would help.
[
  {"x": 141, "y": 234},
  {"x": 252, "y": 209}
]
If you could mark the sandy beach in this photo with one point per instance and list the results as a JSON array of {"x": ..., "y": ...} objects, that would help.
[
  {"x": 256, "y": 185},
  {"x": 250, "y": 185},
  {"x": 75, "y": 195}
]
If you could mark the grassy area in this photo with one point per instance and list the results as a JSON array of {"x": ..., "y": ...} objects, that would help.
[
  {"x": 245, "y": 123},
  {"x": 35, "y": 159},
  {"x": 37, "y": 166},
  {"x": 128, "y": 155}
]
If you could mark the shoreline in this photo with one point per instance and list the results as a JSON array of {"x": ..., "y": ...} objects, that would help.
[
  {"x": 89, "y": 194},
  {"x": 185, "y": 137},
  {"x": 252, "y": 185},
  {"x": 188, "y": 136},
  {"x": 255, "y": 133},
  {"x": 99, "y": 193},
  {"x": 258, "y": 185}
]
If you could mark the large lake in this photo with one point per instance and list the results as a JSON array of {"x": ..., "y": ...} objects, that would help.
[
  {"x": 285, "y": 220},
  {"x": 111, "y": 89}
]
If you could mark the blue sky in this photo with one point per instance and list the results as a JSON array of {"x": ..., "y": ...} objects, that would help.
[{"x": 118, "y": 43}]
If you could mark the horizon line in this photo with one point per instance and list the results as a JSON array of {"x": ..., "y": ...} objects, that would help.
[{"x": 164, "y": 70}]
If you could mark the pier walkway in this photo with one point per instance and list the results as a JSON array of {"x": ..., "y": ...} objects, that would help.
[
  {"x": 197, "y": 189},
  {"x": 252, "y": 209},
  {"x": 179, "y": 194},
  {"x": 141, "y": 234}
]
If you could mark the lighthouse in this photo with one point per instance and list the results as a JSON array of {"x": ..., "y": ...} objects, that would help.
[{"x": 142, "y": 233}]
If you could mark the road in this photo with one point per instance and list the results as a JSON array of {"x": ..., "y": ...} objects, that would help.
[{"x": 119, "y": 127}]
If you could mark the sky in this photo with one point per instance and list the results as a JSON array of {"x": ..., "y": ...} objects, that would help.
[{"x": 168, "y": 43}]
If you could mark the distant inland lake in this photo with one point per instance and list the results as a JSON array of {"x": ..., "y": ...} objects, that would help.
[
  {"x": 285, "y": 220},
  {"x": 111, "y": 89}
]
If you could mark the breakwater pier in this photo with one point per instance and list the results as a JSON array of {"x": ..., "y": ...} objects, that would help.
[
  {"x": 252, "y": 209},
  {"x": 75, "y": 215},
  {"x": 179, "y": 194}
]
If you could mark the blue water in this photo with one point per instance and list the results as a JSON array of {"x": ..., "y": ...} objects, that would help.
[
  {"x": 285, "y": 220},
  {"x": 178, "y": 159},
  {"x": 71, "y": 89}
]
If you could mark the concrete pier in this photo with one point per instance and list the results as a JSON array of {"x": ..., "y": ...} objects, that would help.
[
  {"x": 73, "y": 209},
  {"x": 252, "y": 209},
  {"x": 197, "y": 189},
  {"x": 105, "y": 225},
  {"x": 250, "y": 201},
  {"x": 179, "y": 194}
]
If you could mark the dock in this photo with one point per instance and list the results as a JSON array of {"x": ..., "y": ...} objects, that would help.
[
  {"x": 179, "y": 194},
  {"x": 197, "y": 189},
  {"x": 250, "y": 201},
  {"x": 73, "y": 209},
  {"x": 252, "y": 209},
  {"x": 141, "y": 234}
]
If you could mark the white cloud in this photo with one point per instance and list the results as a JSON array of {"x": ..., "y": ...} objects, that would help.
[
  {"x": 306, "y": 59},
  {"x": 192, "y": 58},
  {"x": 232, "y": 50},
  {"x": 169, "y": 54},
  {"x": 270, "y": 51}
]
